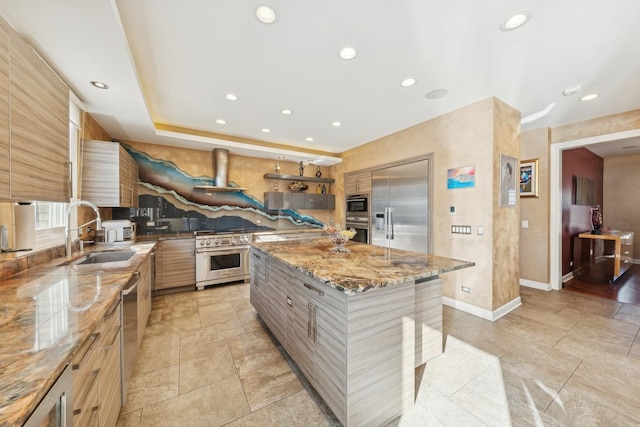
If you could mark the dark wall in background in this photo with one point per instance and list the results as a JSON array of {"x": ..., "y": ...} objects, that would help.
[{"x": 577, "y": 218}]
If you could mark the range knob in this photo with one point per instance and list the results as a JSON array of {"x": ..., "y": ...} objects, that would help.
[
  {"x": 208, "y": 242},
  {"x": 216, "y": 241},
  {"x": 201, "y": 242},
  {"x": 233, "y": 240}
]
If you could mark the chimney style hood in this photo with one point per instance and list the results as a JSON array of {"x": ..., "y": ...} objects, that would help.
[{"x": 220, "y": 160}]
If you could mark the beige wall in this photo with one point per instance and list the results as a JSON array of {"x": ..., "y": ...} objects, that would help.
[
  {"x": 474, "y": 135},
  {"x": 534, "y": 241},
  {"x": 621, "y": 209}
]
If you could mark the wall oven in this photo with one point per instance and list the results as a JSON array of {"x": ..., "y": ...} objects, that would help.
[
  {"x": 357, "y": 205},
  {"x": 221, "y": 258}
]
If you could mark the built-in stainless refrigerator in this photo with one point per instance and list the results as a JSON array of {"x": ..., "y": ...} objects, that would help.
[{"x": 400, "y": 206}]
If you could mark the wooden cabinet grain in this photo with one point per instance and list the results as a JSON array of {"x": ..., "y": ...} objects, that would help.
[
  {"x": 5, "y": 193},
  {"x": 109, "y": 175},
  {"x": 356, "y": 183},
  {"x": 110, "y": 385},
  {"x": 175, "y": 264},
  {"x": 39, "y": 127}
]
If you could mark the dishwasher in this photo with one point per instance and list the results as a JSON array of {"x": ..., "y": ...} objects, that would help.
[{"x": 130, "y": 331}]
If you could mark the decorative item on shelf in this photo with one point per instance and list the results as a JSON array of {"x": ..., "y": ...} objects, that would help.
[
  {"x": 301, "y": 168},
  {"x": 275, "y": 185},
  {"x": 596, "y": 220},
  {"x": 298, "y": 186},
  {"x": 339, "y": 237},
  {"x": 276, "y": 167},
  {"x": 318, "y": 172},
  {"x": 318, "y": 189},
  {"x": 323, "y": 190}
]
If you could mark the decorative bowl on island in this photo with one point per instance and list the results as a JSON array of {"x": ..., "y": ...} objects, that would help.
[{"x": 339, "y": 236}]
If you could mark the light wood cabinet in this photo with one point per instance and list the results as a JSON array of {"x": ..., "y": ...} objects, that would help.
[
  {"x": 5, "y": 193},
  {"x": 175, "y": 264},
  {"x": 357, "y": 183},
  {"x": 96, "y": 374},
  {"x": 39, "y": 127},
  {"x": 144, "y": 297},
  {"x": 109, "y": 175}
]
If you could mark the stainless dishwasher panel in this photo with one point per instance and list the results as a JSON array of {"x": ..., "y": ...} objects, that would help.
[
  {"x": 56, "y": 408},
  {"x": 130, "y": 331}
]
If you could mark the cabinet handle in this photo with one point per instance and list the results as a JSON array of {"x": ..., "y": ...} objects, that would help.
[
  {"x": 315, "y": 324},
  {"x": 94, "y": 338},
  {"x": 113, "y": 311},
  {"x": 308, "y": 286},
  {"x": 309, "y": 321},
  {"x": 108, "y": 347},
  {"x": 257, "y": 256}
]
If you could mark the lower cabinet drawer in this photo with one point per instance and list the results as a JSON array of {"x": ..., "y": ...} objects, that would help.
[{"x": 110, "y": 383}]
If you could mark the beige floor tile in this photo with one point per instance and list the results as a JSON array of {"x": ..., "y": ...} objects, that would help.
[
  {"x": 298, "y": 409},
  {"x": 152, "y": 387},
  {"x": 209, "y": 406},
  {"x": 629, "y": 313},
  {"x": 173, "y": 326},
  {"x": 250, "y": 320},
  {"x": 241, "y": 305},
  {"x": 217, "y": 295},
  {"x": 130, "y": 419},
  {"x": 598, "y": 336},
  {"x": 576, "y": 409},
  {"x": 250, "y": 343},
  {"x": 499, "y": 397},
  {"x": 179, "y": 309},
  {"x": 474, "y": 329},
  {"x": 158, "y": 352},
  {"x": 563, "y": 319},
  {"x": 207, "y": 334},
  {"x": 537, "y": 332},
  {"x": 205, "y": 364},
  {"x": 597, "y": 306},
  {"x": 634, "y": 351},
  {"x": 216, "y": 313},
  {"x": 266, "y": 377}
]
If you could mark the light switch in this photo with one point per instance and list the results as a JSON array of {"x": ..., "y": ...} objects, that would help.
[
  {"x": 480, "y": 231},
  {"x": 525, "y": 223}
]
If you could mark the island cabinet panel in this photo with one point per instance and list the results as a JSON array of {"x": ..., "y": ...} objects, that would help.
[
  {"x": 276, "y": 293},
  {"x": 175, "y": 264},
  {"x": 39, "y": 127},
  {"x": 4, "y": 111},
  {"x": 428, "y": 320},
  {"x": 257, "y": 285}
]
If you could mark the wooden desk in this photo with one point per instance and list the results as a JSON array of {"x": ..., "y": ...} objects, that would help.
[{"x": 602, "y": 257}]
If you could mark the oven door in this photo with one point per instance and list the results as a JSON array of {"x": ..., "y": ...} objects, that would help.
[
  {"x": 357, "y": 205},
  {"x": 362, "y": 231},
  {"x": 215, "y": 266}
]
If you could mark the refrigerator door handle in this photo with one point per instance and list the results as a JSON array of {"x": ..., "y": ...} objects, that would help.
[
  {"x": 391, "y": 228},
  {"x": 386, "y": 223}
]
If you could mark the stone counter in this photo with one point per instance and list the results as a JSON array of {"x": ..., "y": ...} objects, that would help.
[
  {"x": 365, "y": 267},
  {"x": 46, "y": 314}
]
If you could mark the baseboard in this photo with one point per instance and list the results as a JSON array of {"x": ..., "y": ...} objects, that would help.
[
  {"x": 567, "y": 277},
  {"x": 535, "y": 285},
  {"x": 481, "y": 312}
]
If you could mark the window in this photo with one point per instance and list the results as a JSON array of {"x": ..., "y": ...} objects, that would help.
[{"x": 50, "y": 215}]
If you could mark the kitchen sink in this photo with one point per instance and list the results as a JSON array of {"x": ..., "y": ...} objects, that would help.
[{"x": 102, "y": 257}]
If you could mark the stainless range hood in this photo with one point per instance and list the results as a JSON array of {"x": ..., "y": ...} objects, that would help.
[{"x": 220, "y": 161}]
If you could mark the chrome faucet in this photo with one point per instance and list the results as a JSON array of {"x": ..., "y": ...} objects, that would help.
[{"x": 68, "y": 230}]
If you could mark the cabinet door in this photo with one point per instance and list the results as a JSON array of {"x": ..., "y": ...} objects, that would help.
[
  {"x": 144, "y": 297},
  {"x": 133, "y": 182},
  {"x": 109, "y": 379},
  {"x": 277, "y": 299},
  {"x": 302, "y": 348},
  {"x": 297, "y": 201},
  {"x": 101, "y": 173},
  {"x": 178, "y": 264},
  {"x": 4, "y": 111},
  {"x": 258, "y": 282},
  {"x": 39, "y": 126}
]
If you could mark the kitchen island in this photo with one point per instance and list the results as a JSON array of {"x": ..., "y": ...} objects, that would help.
[{"x": 357, "y": 324}]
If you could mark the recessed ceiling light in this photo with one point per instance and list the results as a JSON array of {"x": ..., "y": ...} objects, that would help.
[
  {"x": 231, "y": 97},
  {"x": 590, "y": 97},
  {"x": 99, "y": 85},
  {"x": 572, "y": 90},
  {"x": 408, "y": 82},
  {"x": 309, "y": 139},
  {"x": 348, "y": 53},
  {"x": 221, "y": 122},
  {"x": 336, "y": 124},
  {"x": 286, "y": 112},
  {"x": 266, "y": 15},
  {"x": 516, "y": 20},
  {"x": 265, "y": 130},
  {"x": 436, "y": 93}
]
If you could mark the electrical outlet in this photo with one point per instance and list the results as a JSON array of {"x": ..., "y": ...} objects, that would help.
[{"x": 466, "y": 289}]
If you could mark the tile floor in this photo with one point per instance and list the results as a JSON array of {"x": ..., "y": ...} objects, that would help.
[{"x": 561, "y": 359}]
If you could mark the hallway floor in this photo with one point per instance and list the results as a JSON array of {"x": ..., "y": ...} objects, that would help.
[{"x": 559, "y": 359}]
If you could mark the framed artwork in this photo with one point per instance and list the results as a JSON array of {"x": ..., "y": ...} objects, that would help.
[
  {"x": 508, "y": 175},
  {"x": 464, "y": 177},
  {"x": 529, "y": 178}
]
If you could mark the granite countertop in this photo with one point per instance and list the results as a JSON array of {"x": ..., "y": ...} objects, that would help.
[
  {"x": 366, "y": 267},
  {"x": 46, "y": 314}
]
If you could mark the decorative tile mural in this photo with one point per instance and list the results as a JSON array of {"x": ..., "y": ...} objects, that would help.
[{"x": 168, "y": 198}]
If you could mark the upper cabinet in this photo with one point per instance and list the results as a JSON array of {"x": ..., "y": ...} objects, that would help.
[
  {"x": 109, "y": 175},
  {"x": 4, "y": 111},
  {"x": 356, "y": 183},
  {"x": 38, "y": 127}
]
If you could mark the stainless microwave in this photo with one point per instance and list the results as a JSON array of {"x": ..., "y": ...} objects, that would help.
[{"x": 357, "y": 204}]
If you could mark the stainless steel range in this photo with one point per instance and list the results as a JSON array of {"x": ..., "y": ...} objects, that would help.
[{"x": 221, "y": 257}]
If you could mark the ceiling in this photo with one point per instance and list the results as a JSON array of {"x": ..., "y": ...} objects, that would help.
[{"x": 170, "y": 64}]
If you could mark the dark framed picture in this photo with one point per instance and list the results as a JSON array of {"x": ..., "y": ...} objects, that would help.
[{"x": 529, "y": 178}]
